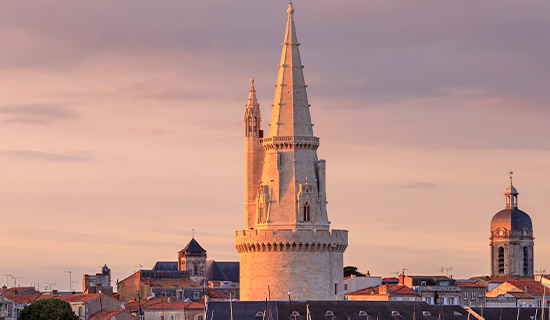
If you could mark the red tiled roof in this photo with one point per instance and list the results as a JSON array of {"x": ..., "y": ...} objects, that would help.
[
  {"x": 106, "y": 314},
  {"x": 520, "y": 295},
  {"x": 468, "y": 284},
  {"x": 81, "y": 297},
  {"x": 10, "y": 291},
  {"x": 175, "y": 283},
  {"x": 393, "y": 289},
  {"x": 212, "y": 293},
  {"x": 22, "y": 299},
  {"x": 163, "y": 303}
]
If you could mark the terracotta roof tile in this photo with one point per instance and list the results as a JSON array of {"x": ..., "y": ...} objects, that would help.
[
  {"x": 521, "y": 295},
  {"x": 179, "y": 283},
  {"x": 392, "y": 289},
  {"x": 22, "y": 299},
  {"x": 468, "y": 284},
  {"x": 106, "y": 314},
  {"x": 212, "y": 293}
]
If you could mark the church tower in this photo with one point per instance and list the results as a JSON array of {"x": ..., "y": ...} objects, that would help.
[
  {"x": 192, "y": 258},
  {"x": 511, "y": 240},
  {"x": 287, "y": 246}
]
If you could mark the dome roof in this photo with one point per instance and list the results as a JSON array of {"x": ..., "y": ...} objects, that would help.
[{"x": 511, "y": 219}]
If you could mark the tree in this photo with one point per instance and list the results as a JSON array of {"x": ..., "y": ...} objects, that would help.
[
  {"x": 436, "y": 298},
  {"x": 1, "y": 304},
  {"x": 48, "y": 309},
  {"x": 349, "y": 270}
]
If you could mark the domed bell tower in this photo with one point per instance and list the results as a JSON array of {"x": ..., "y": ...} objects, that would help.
[{"x": 511, "y": 240}]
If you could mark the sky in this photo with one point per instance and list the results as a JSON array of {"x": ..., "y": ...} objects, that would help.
[{"x": 121, "y": 128}]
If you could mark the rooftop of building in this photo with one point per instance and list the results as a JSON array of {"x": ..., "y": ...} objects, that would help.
[{"x": 392, "y": 289}]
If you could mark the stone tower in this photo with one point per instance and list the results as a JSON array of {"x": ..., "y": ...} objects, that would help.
[
  {"x": 192, "y": 258},
  {"x": 511, "y": 240},
  {"x": 287, "y": 246}
]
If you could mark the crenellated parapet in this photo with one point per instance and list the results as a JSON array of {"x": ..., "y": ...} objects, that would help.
[
  {"x": 290, "y": 142},
  {"x": 287, "y": 240}
]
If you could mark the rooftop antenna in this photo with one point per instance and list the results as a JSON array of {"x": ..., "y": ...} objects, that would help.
[
  {"x": 15, "y": 280},
  {"x": 70, "y": 280},
  {"x": 7, "y": 276},
  {"x": 51, "y": 284},
  {"x": 443, "y": 268},
  {"x": 193, "y": 233}
]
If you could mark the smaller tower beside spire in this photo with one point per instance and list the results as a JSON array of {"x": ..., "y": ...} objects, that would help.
[{"x": 253, "y": 154}]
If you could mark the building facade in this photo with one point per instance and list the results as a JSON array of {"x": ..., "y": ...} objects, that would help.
[
  {"x": 511, "y": 240},
  {"x": 287, "y": 247},
  {"x": 98, "y": 283}
]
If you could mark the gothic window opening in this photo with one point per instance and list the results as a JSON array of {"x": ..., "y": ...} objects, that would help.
[
  {"x": 525, "y": 260},
  {"x": 500, "y": 260},
  {"x": 307, "y": 216},
  {"x": 255, "y": 127},
  {"x": 195, "y": 269}
]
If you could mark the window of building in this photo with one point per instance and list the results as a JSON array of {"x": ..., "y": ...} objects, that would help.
[
  {"x": 172, "y": 317},
  {"x": 196, "y": 295},
  {"x": 80, "y": 311},
  {"x": 473, "y": 295},
  {"x": 423, "y": 283},
  {"x": 525, "y": 260},
  {"x": 345, "y": 287},
  {"x": 306, "y": 212},
  {"x": 465, "y": 295},
  {"x": 451, "y": 301},
  {"x": 500, "y": 260},
  {"x": 336, "y": 288},
  {"x": 195, "y": 268},
  {"x": 199, "y": 317},
  {"x": 180, "y": 295}
]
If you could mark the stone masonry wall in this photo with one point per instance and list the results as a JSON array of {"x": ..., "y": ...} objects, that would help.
[{"x": 306, "y": 263}]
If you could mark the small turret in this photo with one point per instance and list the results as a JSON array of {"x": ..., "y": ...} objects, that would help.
[{"x": 253, "y": 154}]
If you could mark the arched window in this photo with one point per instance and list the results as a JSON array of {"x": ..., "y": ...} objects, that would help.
[
  {"x": 307, "y": 216},
  {"x": 525, "y": 260},
  {"x": 500, "y": 260},
  {"x": 255, "y": 126},
  {"x": 195, "y": 269}
]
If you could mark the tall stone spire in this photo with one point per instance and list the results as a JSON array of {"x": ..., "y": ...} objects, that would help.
[
  {"x": 290, "y": 115},
  {"x": 292, "y": 189},
  {"x": 287, "y": 247}
]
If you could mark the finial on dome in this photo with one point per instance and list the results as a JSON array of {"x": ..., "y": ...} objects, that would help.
[
  {"x": 290, "y": 10},
  {"x": 511, "y": 173},
  {"x": 252, "y": 80}
]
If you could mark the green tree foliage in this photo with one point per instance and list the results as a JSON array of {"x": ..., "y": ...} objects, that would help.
[
  {"x": 48, "y": 309},
  {"x": 349, "y": 270}
]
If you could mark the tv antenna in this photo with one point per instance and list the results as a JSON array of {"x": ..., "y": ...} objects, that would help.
[
  {"x": 15, "y": 280},
  {"x": 7, "y": 276},
  {"x": 443, "y": 268}
]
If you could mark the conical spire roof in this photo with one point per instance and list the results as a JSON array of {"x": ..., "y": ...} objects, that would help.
[
  {"x": 252, "y": 101},
  {"x": 290, "y": 115},
  {"x": 193, "y": 246}
]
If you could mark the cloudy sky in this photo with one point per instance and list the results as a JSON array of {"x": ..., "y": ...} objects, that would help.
[{"x": 121, "y": 127}]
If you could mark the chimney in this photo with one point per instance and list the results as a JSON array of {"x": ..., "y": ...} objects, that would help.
[
  {"x": 526, "y": 290},
  {"x": 401, "y": 279},
  {"x": 383, "y": 289}
]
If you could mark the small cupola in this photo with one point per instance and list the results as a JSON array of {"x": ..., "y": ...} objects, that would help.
[{"x": 511, "y": 195}]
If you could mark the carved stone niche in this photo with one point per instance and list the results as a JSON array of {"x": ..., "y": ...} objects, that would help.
[
  {"x": 306, "y": 203},
  {"x": 263, "y": 204}
]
